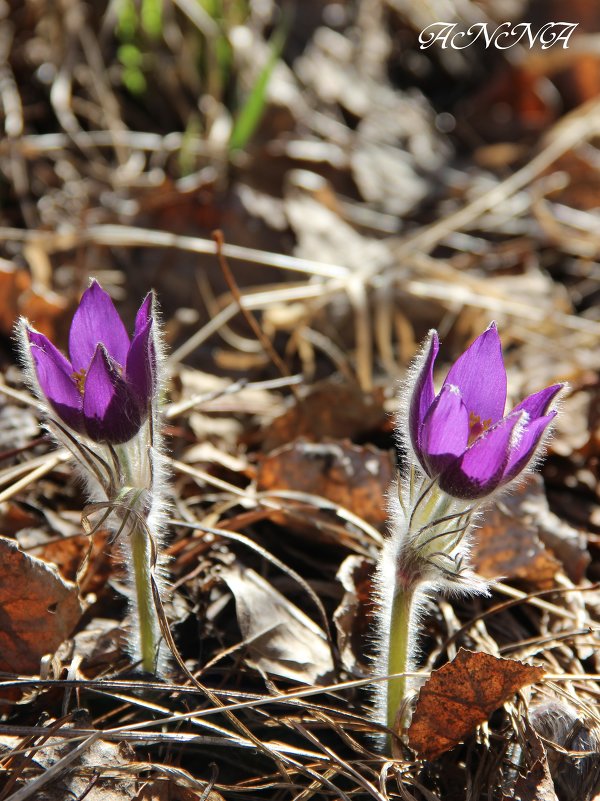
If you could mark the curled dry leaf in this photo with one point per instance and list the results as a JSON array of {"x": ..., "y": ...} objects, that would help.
[
  {"x": 461, "y": 695},
  {"x": 537, "y": 785},
  {"x": 38, "y": 609},
  {"x": 353, "y": 618},
  {"x": 534, "y": 782},
  {"x": 354, "y": 476},
  {"x": 279, "y": 638},
  {"x": 99, "y": 644}
]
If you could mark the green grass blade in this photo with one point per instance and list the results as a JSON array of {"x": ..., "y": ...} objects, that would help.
[{"x": 252, "y": 111}]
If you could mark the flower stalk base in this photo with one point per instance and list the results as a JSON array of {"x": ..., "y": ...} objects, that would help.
[
  {"x": 424, "y": 554},
  {"x": 134, "y": 510},
  {"x": 149, "y": 630},
  {"x": 399, "y": 661}
]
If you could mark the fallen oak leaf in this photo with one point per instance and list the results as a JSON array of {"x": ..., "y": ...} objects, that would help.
[
  {"x": 354, "y": 476},
  {"x": 510, "y": 547},
  {"x": 38, "y": 609},
  {"x": 333, "y": 410},
  {"x": 461, "y": 695}
]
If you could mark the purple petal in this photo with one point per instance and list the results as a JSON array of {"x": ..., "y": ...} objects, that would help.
[
  {"x": 480, "y": 469},
  {"x": 523, "y": 452},
  {"x": 423, "y": 391},
  {"x": 54, "y": 375},
  {"x": 39, "y": 342},
  {"x": 111, "y": 411},
  {"x": 445, "y": 431},
  {"x": 480, "y": 375},
  {"x": 144, "y": 314},
  {"x": 140, "y": 368},
  {"x": 96, "y": 321},
  {"x": 537, "y": 404}
]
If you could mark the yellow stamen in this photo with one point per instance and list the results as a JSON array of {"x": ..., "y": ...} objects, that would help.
[
  {"x": 79, "y": 378},
  {"x": 477, "y": 426}
]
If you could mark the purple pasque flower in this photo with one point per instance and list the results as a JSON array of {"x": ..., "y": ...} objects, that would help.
[
  {"x": 461, "y": 435},
  {"x": 105, "y": 390}
]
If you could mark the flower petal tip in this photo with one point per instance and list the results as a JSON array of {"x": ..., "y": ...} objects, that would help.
[
  {"x": 140, "y": 369},
  {"x": 144, "y": 313},
  {"x": 423, "y": 391},
  {"x": 96, "y": 320}
]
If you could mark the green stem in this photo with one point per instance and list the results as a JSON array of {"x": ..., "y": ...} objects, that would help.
[
  {"x": 141, "y": 567},
  {"x": 399, "y": 653},
  {"x": 141, "y": 553}
]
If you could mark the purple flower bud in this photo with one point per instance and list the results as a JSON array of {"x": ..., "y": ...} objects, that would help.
[
  {"x": 461, "y": 436},
  {"x": 105, "y": 391}
]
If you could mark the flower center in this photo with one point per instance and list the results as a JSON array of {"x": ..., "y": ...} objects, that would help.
[
  {"x": 79, "y": 379},
  {"x": 477, "y": 426}
]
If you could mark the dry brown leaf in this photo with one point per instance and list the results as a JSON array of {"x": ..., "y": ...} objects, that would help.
[
  {"x": 99, "y": 644},
  {"x": 537, "y": 785},
  {"x": 77, "y": 780},
  {"x": 323, "y": 235},
  {"x": 69, "y": 550},
  {"x": 18, "y": 296},
  {"x": 529, "y": 504},
  {"x": 38, "y": 609},
  {"x": 15, "y": 516},
  {"x": 508, "y": 547},
  {"x": 279, "y": 637},
  {"x": 461, "y": 695},
  {"x": 353, "y": 476},
  {"x": 336, "y": 411},
  {"x": 167, "y": 789}
]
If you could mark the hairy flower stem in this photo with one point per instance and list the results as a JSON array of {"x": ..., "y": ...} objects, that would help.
[
  {"x": 136, "y": 495},
  {"x": 149, "y": 630},
  {"x": 399, "y": 656},
  {"x": 422, "y": 556}
]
